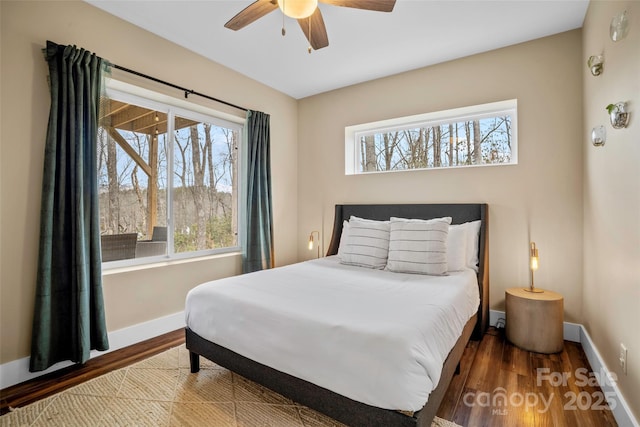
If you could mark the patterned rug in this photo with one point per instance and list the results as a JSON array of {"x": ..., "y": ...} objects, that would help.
[{"x": 160, "y": 391}]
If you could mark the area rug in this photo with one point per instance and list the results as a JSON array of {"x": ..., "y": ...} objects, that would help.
[{"x": 160, "y": 391}]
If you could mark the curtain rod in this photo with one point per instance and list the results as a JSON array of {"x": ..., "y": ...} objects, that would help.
[{"x": 186, "y": 91}]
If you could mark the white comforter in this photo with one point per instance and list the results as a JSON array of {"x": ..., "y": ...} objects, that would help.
[{"x": 374, "y": 336}]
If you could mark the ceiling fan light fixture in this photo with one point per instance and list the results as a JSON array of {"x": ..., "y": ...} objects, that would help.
[{"x": 298, "y": 9}]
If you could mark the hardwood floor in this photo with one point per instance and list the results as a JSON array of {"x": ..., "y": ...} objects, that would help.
[
  {"x": 498, "y": 385},
  {"x": 502, "y": 385}
]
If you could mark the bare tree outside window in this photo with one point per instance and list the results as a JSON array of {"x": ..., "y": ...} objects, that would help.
[
  {"x": 204, "y": 190},
  {"x": 476, "y": 142},
  {"x": 468, "y": 136},
  {"x": 134, "y": 149}
]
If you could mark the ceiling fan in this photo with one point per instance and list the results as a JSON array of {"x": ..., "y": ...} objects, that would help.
[{"x": 306, "y": 12}]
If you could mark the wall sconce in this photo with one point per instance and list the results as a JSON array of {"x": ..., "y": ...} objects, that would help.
[
  {"x": 311, "y": 241},
  {"x": 533, "y": 265},
  {"x": 595, "y": 64},
  {"x": 598, "y": 136}
]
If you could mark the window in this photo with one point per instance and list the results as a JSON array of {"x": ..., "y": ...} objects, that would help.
[
  {"x": 168, "y": 177},
  {"x": 470, "y": 136}
]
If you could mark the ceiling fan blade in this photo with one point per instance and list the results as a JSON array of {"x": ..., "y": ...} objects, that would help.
[
  {"x": 377, "y": 5},
  {"x": 318, "y": 37},
  {"x": 254, "y": 11}
]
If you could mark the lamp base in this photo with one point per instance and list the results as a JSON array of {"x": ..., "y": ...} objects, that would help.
[{"x": 534, "y": 290}]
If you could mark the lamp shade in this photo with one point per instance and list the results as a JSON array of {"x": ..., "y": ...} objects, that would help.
[
  {"x": 312, "y": 241},
  {"x": 533, "y": 256},
  {"x": 298, "y": 9}
]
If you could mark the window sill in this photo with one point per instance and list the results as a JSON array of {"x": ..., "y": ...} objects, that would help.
[{"x": 108, "y": 271}]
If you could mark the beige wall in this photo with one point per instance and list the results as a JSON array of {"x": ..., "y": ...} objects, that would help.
[
  {"x": 561, "y": 190},
  {"x": 612, "y": 196},
  {"x": 130, "y": 297},
  {"x": 538, "y": 199}
]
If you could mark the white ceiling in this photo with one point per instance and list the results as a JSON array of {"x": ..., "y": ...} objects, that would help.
[{"x": 363, "y": 45}]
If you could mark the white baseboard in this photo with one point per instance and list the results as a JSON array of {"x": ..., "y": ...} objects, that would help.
[
  {"x": 577, "y": 333},
  {"x": 17, "y": 371},
  {"x": 496, "y": 317},
  {"x": 621, "y": 412}
]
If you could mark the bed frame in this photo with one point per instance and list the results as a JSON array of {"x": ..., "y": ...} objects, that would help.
[{"x": 336, "y": 406}]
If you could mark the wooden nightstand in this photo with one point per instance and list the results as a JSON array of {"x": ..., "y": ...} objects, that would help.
[{"x": 535, "y": 320}]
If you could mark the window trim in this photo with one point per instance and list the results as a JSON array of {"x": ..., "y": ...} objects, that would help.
[
  {"x": 174, "y": 106},
  {"x": 353, "y": 133}
]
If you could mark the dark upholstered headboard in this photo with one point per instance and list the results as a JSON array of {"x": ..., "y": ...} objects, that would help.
[{"x": 459, "y": 212}]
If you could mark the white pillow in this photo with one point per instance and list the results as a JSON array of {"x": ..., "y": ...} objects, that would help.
[
  {"x": 343, "y": 237},
  {"x": 418, "y": 246},
  {"x": 446, "y": 219},
  {"x": 367, "y": 245},
  {"x": 352, "y": 217},
  {"x": 473, "y": 241},
  {"x": 457, "y": 254},
  {"x": 463, "y": 255}
]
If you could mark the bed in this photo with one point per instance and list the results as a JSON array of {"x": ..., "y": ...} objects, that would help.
[{"x": 306, "y": 377}]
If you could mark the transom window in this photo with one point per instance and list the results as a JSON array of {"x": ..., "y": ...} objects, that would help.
[
  {"x": 168, "y": 178},
  {"x": 471, "y": 136}
]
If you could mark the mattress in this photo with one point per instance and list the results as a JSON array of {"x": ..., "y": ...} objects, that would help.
[{"x": 374, "y": 336}]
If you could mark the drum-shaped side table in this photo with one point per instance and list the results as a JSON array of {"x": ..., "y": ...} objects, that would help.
[{"x": 534, "y": 321}]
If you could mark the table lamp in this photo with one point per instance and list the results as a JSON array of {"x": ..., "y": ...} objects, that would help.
[{"x": 533, "y": 265}]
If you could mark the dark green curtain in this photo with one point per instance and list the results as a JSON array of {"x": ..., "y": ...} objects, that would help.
[
  {"x": 258, "y": 247},
  {"x": 68, "y": 319}
]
